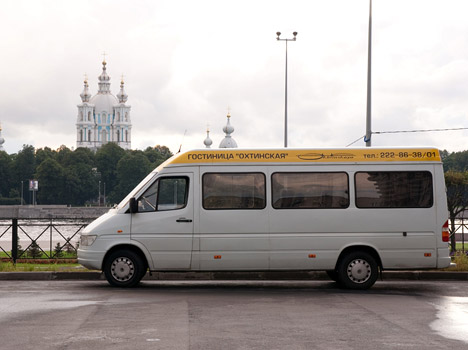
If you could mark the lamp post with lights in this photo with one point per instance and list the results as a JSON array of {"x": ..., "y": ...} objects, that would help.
[{"x": 286, "y": 86}]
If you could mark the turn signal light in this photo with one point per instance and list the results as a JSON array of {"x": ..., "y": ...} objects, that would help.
[
  {"x": 445, "y": 232},
  {"x": 427, "y": 255},
  {"x": 217, "y": 256},
  {"x": 312, "y": 256}
]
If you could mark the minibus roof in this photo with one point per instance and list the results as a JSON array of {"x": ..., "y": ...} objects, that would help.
[{"x": 306, "y": 156}]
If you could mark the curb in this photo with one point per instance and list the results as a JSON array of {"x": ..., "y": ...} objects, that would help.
[{"x": 233, "y": 276}]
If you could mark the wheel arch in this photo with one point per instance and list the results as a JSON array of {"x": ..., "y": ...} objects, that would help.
[
  {"x": 360, "y": 248},
  {"x": 126, "y": 246}
]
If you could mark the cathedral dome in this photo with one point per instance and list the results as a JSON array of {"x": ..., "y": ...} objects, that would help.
[{"x": 104, "y": 103}]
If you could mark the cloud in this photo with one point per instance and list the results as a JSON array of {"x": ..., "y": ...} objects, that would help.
[{"x": 184, "y": 63}]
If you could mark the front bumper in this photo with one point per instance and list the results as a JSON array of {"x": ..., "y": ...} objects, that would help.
[{"x": 90, "y": 259}]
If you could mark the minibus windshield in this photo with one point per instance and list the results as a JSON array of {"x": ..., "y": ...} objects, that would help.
[
  {"x": 136, "y": 189},
  {"x": 143, "y": 183}
]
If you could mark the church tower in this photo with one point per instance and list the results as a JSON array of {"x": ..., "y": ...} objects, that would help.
[
  {"x": 104, "y": 117},
  {"x": 228, "y": 141}
]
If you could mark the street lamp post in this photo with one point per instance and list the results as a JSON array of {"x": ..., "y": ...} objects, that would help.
[
  {"x": 99, "y": 194},
  {"x": 286, "y": 86},
  {"x": 367, "y": 138}
]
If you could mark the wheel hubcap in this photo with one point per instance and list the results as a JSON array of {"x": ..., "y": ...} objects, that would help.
[
  {"x": 122, "y": 269},
  {"x": 359, "y": 271}
]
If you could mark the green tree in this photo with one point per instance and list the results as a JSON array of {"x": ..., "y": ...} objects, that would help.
[
  {"x": 457, "y": 198},
  {"x": 80, "y": 181},
  {"x": 80, "y": 184},
  {"x": 50, "y": 175},
  {"x": 71, "y": 177},
  {"x": 131, "y": 169},
  {"x": 158, "y": 154},
  {"x": 456, "y": 161},
  {"x": 164, "y": 151},
  {"x": 19, "y": 248},
  {"x": 34, "y": 251},
  {"x": 62, "y": 153},
  {"x": 24, "y": 167},
  {"x": 43, "y": 154},
  {"x": 80, "y": 155},
  {"x": 6, "y": 178},
  {"x": 69, "y": 247},
  {"x": 107, "y": 158},
  {"x": 58, "y": 253}
]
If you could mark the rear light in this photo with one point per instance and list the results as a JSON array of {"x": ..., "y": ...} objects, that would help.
[{"x": 445, "y": 232}]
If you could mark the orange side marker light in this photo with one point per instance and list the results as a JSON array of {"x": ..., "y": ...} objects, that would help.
[
  {"x": 312, "y": 256},
  {"x": 217, "y": 256}
]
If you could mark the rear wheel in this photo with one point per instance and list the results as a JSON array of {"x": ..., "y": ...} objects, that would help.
[
  {"x": 357, "y": 270},
  {"x": 124, "y": 268}
]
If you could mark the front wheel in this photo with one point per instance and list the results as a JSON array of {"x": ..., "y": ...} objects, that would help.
[
  {"x": 123, "y": 268},
  {"x": 357, "y": 270}
]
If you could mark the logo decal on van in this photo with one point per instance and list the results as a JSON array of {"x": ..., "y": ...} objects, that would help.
[
  {"x": 305, "y": 155},
  {"x": 317, "y": 156}
]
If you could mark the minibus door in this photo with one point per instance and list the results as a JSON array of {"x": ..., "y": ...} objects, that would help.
[
  {"x": 233, "y": 226},
  {"x": 164, "y": 221}
]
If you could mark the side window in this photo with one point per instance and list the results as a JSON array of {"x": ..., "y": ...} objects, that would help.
[
  {"x": 167, "y": 193},
  {"x": 234, "y": 191},
  {"x": 394, "y": 189},
  {"x": 310, "y": 190}
]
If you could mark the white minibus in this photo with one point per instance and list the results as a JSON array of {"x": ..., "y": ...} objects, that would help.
[{"x": 350, "y": 212}]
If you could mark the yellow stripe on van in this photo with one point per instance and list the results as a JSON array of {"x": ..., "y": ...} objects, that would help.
[{"x": 307, "y": 156}]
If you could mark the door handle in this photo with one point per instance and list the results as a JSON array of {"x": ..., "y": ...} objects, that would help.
[{"x": 183, "y": 220}]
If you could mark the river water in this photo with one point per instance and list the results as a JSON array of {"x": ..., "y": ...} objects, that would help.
[{"x": 46, "y": 233}]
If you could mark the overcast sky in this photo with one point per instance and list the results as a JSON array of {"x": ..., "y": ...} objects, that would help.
[{"x": 185, "y": 62}]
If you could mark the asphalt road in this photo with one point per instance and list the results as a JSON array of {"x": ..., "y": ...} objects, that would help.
[{"x": 208, "y": 315}]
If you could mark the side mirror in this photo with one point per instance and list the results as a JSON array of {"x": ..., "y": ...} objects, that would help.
[{"x": 133, "y": 205}]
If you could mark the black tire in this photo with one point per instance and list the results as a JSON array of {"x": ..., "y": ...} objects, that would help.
[
  {"x": 144, "y": 270},
  {"x": 124, "y": 268},
  {"x": 357, "y": 270},
  {"x": 333, "y": 275}
]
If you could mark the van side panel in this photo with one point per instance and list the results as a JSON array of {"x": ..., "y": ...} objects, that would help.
[{"x": 314, "y": 238}]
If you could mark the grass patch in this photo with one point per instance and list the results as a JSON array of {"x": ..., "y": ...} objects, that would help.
[
  {"x": 461, "y": 259},
  {"x": 27, "y": 267}
]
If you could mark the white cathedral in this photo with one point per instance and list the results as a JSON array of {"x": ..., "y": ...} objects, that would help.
[{"x": 104, "y": 117}]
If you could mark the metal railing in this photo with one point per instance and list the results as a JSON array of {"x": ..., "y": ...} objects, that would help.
[
  {"x": 461, "y": 233},
  {"x": 40, "y": 236},
  {"x": 65, "y": 233}
]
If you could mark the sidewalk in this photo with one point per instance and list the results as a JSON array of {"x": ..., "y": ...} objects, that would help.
[{"x": 218, "y": 276}]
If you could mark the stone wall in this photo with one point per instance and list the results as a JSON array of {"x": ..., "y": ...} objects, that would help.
[{"x": 50, "y": 212}]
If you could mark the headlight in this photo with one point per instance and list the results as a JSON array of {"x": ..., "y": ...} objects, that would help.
[{"x": 87, "y": 240}]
